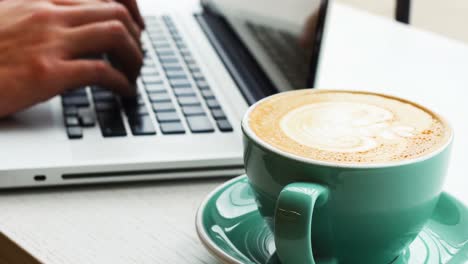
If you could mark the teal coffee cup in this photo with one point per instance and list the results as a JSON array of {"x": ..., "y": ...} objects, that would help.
[{"x": 344, "y": 212}]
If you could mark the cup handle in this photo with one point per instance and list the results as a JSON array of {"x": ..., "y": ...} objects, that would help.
[{"x": 293, "y": 221}]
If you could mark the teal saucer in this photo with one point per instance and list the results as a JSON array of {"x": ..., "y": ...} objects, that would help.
[{"x": 230, "y": 226}]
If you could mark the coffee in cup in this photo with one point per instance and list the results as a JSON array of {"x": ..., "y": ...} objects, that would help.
[{"x": 347, "y": 127}]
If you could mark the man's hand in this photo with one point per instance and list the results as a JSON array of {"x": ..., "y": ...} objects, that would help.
[{"x": 43, "y": 43}]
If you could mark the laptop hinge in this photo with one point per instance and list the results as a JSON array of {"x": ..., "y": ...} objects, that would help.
[{"x": 250, "y": 78}]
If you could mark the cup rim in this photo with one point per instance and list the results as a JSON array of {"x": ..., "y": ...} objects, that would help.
[{"x": 252, "y": 136}]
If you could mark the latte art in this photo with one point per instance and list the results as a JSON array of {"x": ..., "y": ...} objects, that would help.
[
  {"x": 343, "y": 126},
  {"x": 347, "y": 127}
]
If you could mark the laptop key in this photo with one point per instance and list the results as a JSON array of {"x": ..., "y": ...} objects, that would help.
[
  {"x": 159, "y": 97},
  {"x": 96, "y": 89},
  {"x": 167, "y": 19},
  {"x": 171, "y": 27},
  {"x": 151, "y": 79},
  {"x": 188, "y": 100},
  {"x": 200, "y": 124},
  {"x": 172, "y": 128},
  {"x": 159, "y": 45},
  {"x": 74, "y": 132},
  {"x": 182, "y": 46},
  {"x": 86, "y": 117},
  {"x": 218, "y": 114},
  {"x": 212, "y": 103},
  {"x": 166, "y": 53},
  {"x": 179, "y": 83},
  {"x": 148, "y": 62},
  {"x": 70, "y": 111},
  {"x": 165, "y": 60},
  {"x": 169, "y": 66},
  {"x": 160, "y": 50},
  {"x": 176, "y": 75},
  {"x": 202, "y": 85},
  {"x": 79, "y": 101},
  {"x": 149, "y": 71},
  {"x": 167, "y": 56},
  {"x": 177, "y": 38},
  {"x": 153, "y": 26},
  {"x": 163, "y": 107},
  {"x": 188, "y": 58},
  {"x": 87, "y": 121},
  {"x": 185, "y": 52},
  {"x": 141, "y": 125},
  {"x": 106, "y": 106},
  {"x": 72, "y": 121},
  {"x": 111, "y": 124},
  {"x": 156, "y": 36},
  {"x": 179, "y": 77},
  {"x": 155, "y": 87},
  {"x": 167, "y": 117},
  {"x": 193, "y": 67},
  {"x": 193, "y": 110},
  {"x": 151, "y": 19},
  {"x": 173, "y": 68},
  {"x": 184, "y": 92},
  {"x": 103, "y": 96},
  {"x": 198, "y": 76},
  {"x": 224, "y": 125},
  {"x": 155, "y": 31},
  {"x": 185, "y": 84},
  {"x": 207, "y": 94}
]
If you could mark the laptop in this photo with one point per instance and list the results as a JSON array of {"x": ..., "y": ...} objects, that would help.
[{"x": 205, "y": 63}]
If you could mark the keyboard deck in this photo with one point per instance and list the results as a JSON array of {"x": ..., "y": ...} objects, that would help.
[
  {"x": 283, "y": 48},
  {"x": 176, "y": 98}
]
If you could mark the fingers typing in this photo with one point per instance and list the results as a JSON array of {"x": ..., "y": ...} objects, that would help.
[
  {"x": 96, "y": 72},
  {"x": 110, "y": 37}
]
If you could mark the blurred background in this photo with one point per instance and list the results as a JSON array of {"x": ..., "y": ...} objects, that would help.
[{"x": 446, "y": 17}]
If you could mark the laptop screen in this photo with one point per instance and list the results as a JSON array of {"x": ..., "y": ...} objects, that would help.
[{"x": 283, "y": 36}]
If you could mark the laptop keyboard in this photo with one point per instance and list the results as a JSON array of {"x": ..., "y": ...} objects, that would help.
[
  {"x": 282, "y": 47},
  {"x": 176, "y": 97}
]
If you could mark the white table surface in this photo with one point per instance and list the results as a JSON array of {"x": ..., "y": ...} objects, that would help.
[{"x": 154, "y": 222}]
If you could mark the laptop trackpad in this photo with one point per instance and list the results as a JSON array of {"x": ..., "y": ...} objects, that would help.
[{"x": 34, "y": 135}]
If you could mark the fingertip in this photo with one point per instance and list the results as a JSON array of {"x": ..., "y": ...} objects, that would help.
[
  {"x": 121, "y": 83},
  {"x": 130, "y": 90},
  {"x": 124, "y": 87},
  {"x": 133, "y": 73},
  {"x": 133, "y": 7}
]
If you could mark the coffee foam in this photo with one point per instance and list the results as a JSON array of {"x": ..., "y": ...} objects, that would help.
[{"x": 347, "y": 127}]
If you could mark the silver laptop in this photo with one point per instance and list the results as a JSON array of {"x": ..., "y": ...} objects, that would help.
[{"x": 204, "y": 64}]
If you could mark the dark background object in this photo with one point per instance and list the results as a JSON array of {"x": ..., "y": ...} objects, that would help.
[
  {"x": 402, "y": 12},
  {"x": 317, "y": 43}
]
